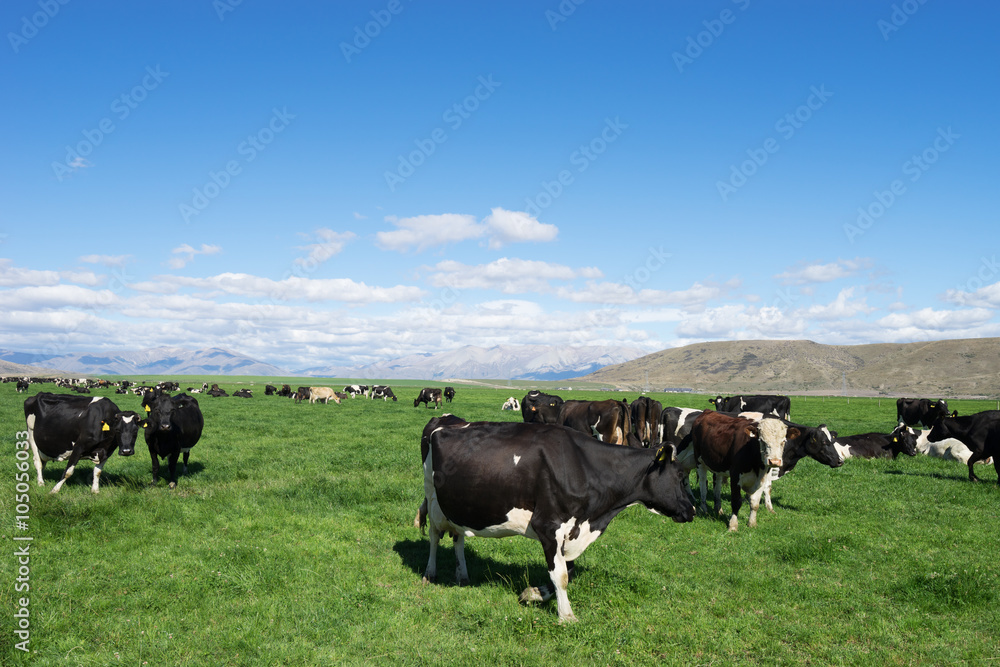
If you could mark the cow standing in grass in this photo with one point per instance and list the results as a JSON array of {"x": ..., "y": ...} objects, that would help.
[{"x": 172, "y": 427}]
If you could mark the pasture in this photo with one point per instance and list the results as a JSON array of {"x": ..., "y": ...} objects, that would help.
[{"x": 291, "y": 542}]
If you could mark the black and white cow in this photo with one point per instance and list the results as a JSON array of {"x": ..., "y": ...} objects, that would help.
[
  {"x": 778, "y": 406},
  {"x": 427, "y": 396},
  {"x": 172, "y": 426},
  {"x": 980, "y": 432},
  {"x": 511, "y": 404},
  {"x": 384, "y": 392},
  {"x": 356, "y": 390},
  {"x": 916, "y": 411},
  {"x": 68, "y": 428},
  {"x": 902, "y": 440},
  {"x": 243, "y": 393},
  {"x": 21, "y": 386},
  {"x": 542, "y": 481},
  {"x": 539, "y": 408}
]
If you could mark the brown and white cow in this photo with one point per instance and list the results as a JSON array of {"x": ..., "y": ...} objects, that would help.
[
  {"x": 608, "y": 421},
  {"x": 745, "y": 449},
  {"x": 325, "y": 394}
]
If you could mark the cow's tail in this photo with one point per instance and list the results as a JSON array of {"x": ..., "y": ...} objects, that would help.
[{"x": 420, "y": 521}]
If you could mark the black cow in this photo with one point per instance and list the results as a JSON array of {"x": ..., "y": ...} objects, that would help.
[
  {"x": 449, "y": 393},
  {"x": 542, "y": 481},
  {"x": 902, "y": 440},
  {"x": 427, "y": 396},
  {"x": 173, "y": 425},
  {"x": 914, "y": 411},
  {"x": 243, "y": 393},
  {"x": 68, "y": 428},
  {"x": 285, "y": 391},
  {"x": 22, "y": 385},
  {"x": 646, "y": 420},
  {"x": 384, "y": 392},
  {"x": 269, "y": 389},
  {"x": 980, "y": 432},
  {"x": 302, "y": 394},
  {"x": 778, "y": 406},
  {"x": 539, "y": 408}
]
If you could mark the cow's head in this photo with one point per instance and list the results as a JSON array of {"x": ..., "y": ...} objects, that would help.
[
  {"x": 665, "y": 480},
  {"x": 772, "y": 434},
  {"x": 125, "y": 429},
  {"x": 716, "y": 402},
  {"x": 159, "y": 412},
  {"x": 820, "y": 446},
  {"x": 903, "y": 440}
]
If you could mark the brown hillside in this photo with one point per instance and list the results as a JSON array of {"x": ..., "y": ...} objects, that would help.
[{"x": 948, "y": 368}]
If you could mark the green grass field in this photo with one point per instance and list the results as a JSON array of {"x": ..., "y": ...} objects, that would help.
[{"x": 291, "y": 542}]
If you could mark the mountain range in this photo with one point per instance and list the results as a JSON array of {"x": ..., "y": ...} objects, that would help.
[{"x": 154, "y": 361}]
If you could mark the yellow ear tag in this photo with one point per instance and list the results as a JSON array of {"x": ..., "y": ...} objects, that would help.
[
  {"x": 662, "y": 455},
  {"x": 105, "y": 427},
  {"x": 895, "y": 439},
  {"x": 147, "y": 408}
]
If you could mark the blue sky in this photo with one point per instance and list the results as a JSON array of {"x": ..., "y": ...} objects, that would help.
[{"x": 338, "y": 183}]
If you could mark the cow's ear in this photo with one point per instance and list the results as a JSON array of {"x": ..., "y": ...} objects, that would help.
[
  {"x": 750, "y": 432},
  {"x": 105, "y": 427},
  {"x": 954, "y": 413},
  {"x": 792, "y": 433}
]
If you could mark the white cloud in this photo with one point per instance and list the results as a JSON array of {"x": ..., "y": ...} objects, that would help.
[
  {"x": 823, "y": 273},
  {"x": 294, "y": 288},
  {"x": 110, "y": 261},
  {"x": 516, "y": 227},
  {"x": 984, "y": 297},
  {"x": 510, "y": 276},
  {"x": 500, "y": 227},
  {"x": 358, "y": 216},
  {"x": 841, "y": 308},
  {"x": 424, "y": 231},
  {"x": 330, "y": 244},
  {"x": 185, "y": 253}
]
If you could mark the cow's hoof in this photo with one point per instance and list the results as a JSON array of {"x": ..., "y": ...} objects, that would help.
[
  {"x": 568, "y": 618},
  {"x": 531, "y": 594}
]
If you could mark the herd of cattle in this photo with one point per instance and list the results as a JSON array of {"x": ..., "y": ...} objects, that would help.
[
  {"x": 553, "y": 477},
  {"x": 550, "y": 479}
]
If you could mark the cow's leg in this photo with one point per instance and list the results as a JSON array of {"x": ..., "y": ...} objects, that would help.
[
  {"x": 70, "y": 467},
  {"x": 39, "y": 463},
  {"x": 156, "y": 465},
  {"x": 430, "y": 573},
  {"x": 703, "y": 488},
  {"x": 461, "y": 570},
  {"x": 172, "y": 467},
  {"x": 735, "y": 501},
  {"x": 718, "y": 479},
  {"x": 755, "y": 495},
  {"x": 98, "y": 469},
  {"x": 187, "y": 453},
  {"x": 976, "y": 456}
]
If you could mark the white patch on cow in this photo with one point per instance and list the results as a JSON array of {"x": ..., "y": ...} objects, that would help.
[
  {"x": 572, "y": 548},
  {"x": 743, "y": 404},
  {"x": 95, "y": 399},
  {"x": 593, "y": 428},
  {"x": 516, "y": 459},
  {"x": 518, "y": 523},
  {"x": 949, "y": 449},
  {"x": 754, "y": 416},
  {"x": 128, "y": 420},
  {"x": 683, "y": 418},
  {"x": 843, "y": 450},
  {"x": 772, "y": 440}
]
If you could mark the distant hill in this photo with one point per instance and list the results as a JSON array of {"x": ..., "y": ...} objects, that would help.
[
  {"x": 948, "y": 368},
  {"x": 155, "y": 361},
  {"x": 10, "y": 369},
  {"x": 506, "y": 362}
]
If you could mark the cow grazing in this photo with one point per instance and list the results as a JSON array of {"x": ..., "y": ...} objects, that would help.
[
  {"x": 511, "y": 404},
  {"x": 902, "y": 440},
  {"x": 646, "y": 420},
  {"x": 779, "y": 406},
  {"x": 745, "y": 449},
  {"x": 269, "y": 389},
  {"x": 542, "y": 481},
  {"x": 325, "y": 394},
  {"x": 356, "y": 390},
  {"x": 384, "y": 392},
  {"x": 608, "y": 421},
  {"x": 539, "y": 408},
  {"x": 172, "y": 426},
  {"x": 427, "y": 396},
  {"x": 68, "y": 428},
  {"x": 980, "y": 432},
  {"x": 449, "y": 393},
  {"x": 920, "y": 411}
]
